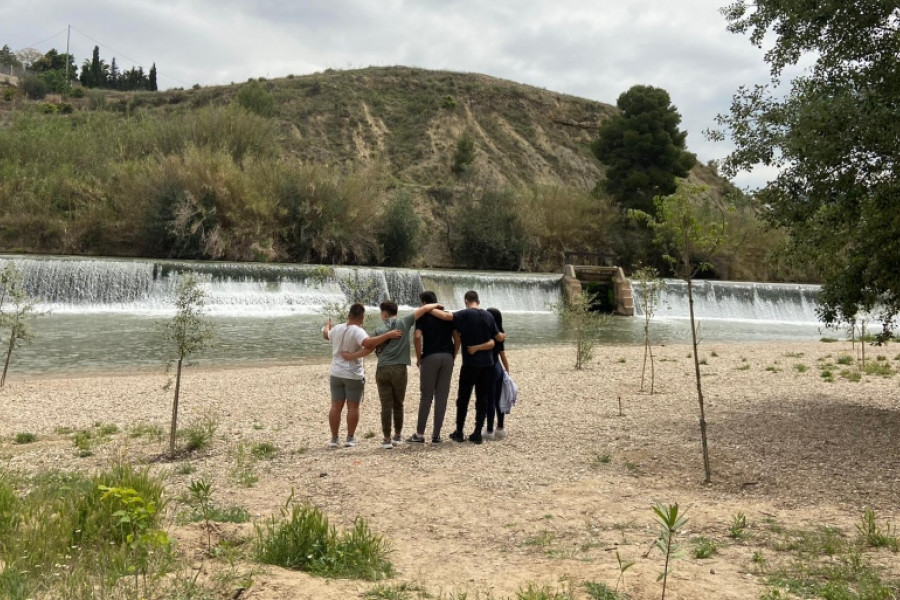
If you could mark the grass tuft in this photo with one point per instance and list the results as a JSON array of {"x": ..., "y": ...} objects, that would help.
[{"x": 303, "y": 539}]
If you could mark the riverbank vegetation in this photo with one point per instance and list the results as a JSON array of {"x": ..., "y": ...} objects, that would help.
[{"x": 319, "y": 168}]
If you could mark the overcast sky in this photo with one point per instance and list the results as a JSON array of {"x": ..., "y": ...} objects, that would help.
[{"x": 594, "y": 49}]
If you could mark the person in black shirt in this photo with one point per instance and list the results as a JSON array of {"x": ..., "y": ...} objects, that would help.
[
  {"x": 477, "y": 332},
  {"x": 500, "y": 363},
  {"x": 436, "y": 345}
]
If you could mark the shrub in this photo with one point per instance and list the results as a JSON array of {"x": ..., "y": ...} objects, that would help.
[
  {"x": 488, "y": 233},
  {"x": 302, "y": 539},
  {"x": 199, "y": 435},
  {"x": 78, "y": 92},
  {"x": 256, "y": 99},
  {"x": 464, "y": 155},
  {"x": 9, "y": 94},
  {"x": 25, "y": 438},
  {"x": 398, "y": 232},
  {"x": 34, "y": 87}
]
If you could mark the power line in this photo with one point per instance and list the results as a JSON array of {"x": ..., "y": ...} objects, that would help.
[
  {"x": 42, "y": 41},
  {"x": 137, "y": 62}
]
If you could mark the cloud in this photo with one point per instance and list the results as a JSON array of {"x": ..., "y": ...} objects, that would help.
[{"x": 592, "y": 49}]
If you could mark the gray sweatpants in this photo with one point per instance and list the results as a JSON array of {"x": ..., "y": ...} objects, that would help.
[{"x": 435, "y": 374}]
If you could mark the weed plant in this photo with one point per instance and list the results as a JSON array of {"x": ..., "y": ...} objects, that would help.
[
  {"x": 874, "y": 535},
  {"x": 25, "y": 438},
  {"x": 264, "y": 451},
  {"x": 704, "y": 548},
  {"x": 738, "y": 528},
  {"x": 199, "y": 435},
  {"x": 63, "y": 535},
  {"x": 303, "y": 539}
]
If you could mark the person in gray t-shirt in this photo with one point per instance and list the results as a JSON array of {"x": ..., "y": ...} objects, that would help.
[{"x": 391, "y": 373}]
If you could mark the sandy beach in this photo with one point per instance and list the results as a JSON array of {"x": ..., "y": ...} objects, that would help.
[{"x": 572, "y": 484}]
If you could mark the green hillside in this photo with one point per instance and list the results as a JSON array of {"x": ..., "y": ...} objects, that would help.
[{"x": 314, "y": 168}]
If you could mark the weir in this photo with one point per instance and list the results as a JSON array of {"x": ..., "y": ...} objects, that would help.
[
  {"x": 85, "y": 285},
  {"x": 733, "y": 300}
]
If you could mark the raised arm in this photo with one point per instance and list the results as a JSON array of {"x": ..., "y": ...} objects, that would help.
[
  {"x": 373, "y": 342},
  {"x": 426, "y": 308},
  {"x": 326, "y": 331},
  {"x": 443, "y": 315}
]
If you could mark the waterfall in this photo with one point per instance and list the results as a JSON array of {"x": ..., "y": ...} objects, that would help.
[
  {"x": 81, "y": 284},
  {"x": 516, "y": 292},
  {"x": 737, "y": 301}
]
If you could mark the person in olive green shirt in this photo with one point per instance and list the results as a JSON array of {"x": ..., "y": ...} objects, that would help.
[{"x": 391, "y": 373}]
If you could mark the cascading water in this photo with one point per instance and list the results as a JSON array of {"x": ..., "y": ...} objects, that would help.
[
  {"x": 737, "y": 301},
  {"x": 86, "y": 285}
]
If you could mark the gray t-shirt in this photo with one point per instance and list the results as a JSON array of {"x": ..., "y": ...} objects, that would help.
[{"x": 396, "y": 352}]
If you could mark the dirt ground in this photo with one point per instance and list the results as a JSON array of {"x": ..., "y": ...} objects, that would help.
[{"x": 572, "y": 485}]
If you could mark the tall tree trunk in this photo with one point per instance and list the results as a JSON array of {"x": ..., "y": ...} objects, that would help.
[
  {"x": 652, "y": 369},
  {"x": 174, "y": 428},
  {"x": 12, "y": 343},
  {"x": 644, "y": 365},
  {"x": 703, "y": 441}
]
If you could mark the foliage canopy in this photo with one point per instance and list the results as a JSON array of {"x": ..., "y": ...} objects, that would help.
[
  {"x": 833, "y": 135},
  {"x": 643, "y": 147}
]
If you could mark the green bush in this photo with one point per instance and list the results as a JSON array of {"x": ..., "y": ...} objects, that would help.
[
  {"x": 25, "y": 438},
  {"x": 302, "y": 539},
  {"x": 34, "y": 87},
  {"x": 488, "y": 233},
  {"x": 256, "y": 99},
  {"x": 399, "y": 231},
  {"x": 78, "y": 92}
]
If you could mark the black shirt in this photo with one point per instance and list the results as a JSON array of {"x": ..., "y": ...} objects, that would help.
[
  {"x": 475, "y": 327},
  {"x": 437, "y": 335}
]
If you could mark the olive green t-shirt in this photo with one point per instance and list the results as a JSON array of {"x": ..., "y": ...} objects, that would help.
[{"x": 396, "y": 352}]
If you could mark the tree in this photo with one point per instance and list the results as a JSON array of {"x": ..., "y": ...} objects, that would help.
[
  {"x": 691, "y": 230},
  {"x": 28, "y": 56},
  {"x": 399, "y": 230},
  {"x": 583, "y": 323},
  {"x": 488, "y": 232},
  {"x": 187, "y": 333},
  {"x": 643, "y": 148},
  {"x": 464, "y": 155},
  {"x": 151, "y": 79},
  {"x": 650, "y": 287},
  {"x": 833, "y": 137},
  {"x": 8, "y": 57},
  {"x": 15, "y": 308}
]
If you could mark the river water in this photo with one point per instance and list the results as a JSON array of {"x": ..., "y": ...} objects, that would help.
[{"x": 106, "y": 314}]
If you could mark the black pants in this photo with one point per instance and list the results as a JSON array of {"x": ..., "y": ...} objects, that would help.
[
  {"x": 481, "y": 379},
  {"x": 493, "y": 407}
]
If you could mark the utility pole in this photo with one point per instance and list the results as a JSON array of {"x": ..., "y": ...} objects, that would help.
[{"x": 68, "y": 57}]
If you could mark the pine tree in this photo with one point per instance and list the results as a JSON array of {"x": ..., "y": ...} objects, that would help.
[
  {"x": 151, "y": 85},
  {"x": 114, "y": 75},
  {"x": 97, "y": 69}
]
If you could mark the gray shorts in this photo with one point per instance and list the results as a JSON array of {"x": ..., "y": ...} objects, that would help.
[{"x": 350, "y": 390}]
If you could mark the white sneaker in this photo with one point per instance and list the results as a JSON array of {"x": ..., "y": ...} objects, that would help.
[
  {"x": 351, "y": 442},
  {"x": 488, "y": 435},
  {"x": 397, "y": 440},
  {"x": 333, "y": 443},
  {"x": 387, "y": 444},
  {"x": 500, "y": 433}
]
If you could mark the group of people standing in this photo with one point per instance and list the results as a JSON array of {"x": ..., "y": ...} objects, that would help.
[{"x": 439, "y": 336}]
